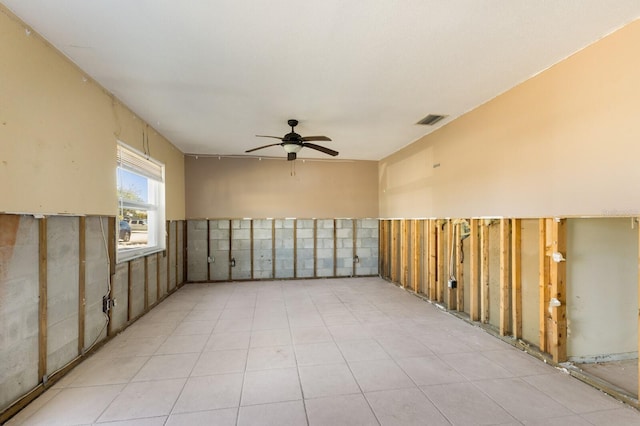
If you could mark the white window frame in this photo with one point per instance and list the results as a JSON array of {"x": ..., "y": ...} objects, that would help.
[{"x": 134, "y": 161}]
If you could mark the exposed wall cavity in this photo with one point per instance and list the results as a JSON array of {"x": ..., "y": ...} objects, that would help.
[
  {"x": 54, "y": 273},
  {"x": 246, "y": 249}
]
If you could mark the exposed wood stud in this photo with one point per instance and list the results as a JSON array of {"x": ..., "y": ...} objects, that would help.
[
  {"x": 42, "y": 300},
  {"x": 168, "y": 245},
  {"x": 111, "y": 255},
  {"x": 415, "y": 251},
  {"x": 354, "y": 222},
  {"x": 158, "y": 290},
  {"x": 185, "y": 263},
  {"x": 315, "y": 248},
  {"x": 273, "y": 248},
  {"x": 335, "y": 248},
  {"x": 129, "y": 292},
  {"x": 636, "y": 219},
  {"x": 484, "y": 272},
  {"x": 208, "y": 251},
  {"x": 504, "y": 277},
  {"x": 459, "y": 268},
  {"x": 516, "y": 277},
  {"x": 404, "y": 252},
  {"x": 558, "y": 291},
  {"x": 176, "y": 251},
  {"x": 381, "y": 248},
  {"x": 82, "y": 260},
  {"x": 295, "y": 248},
  {"x": 433, "y": 260},
  {"x": 474, "y": 281},
  {"x": 451, "y": 293},
  {"x": 251, "y": 243},
  {"x": 543, "y": 279},
  {"x": 394, "y": 251},
  {"x": 440, "y": 275},
  {"x": 146, "y": 283},
  {"x": 230, "y": 251}
]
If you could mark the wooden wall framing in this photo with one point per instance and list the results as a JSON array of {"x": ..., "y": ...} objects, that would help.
[
  {"x": 422, "y": 254},
  {"x": 84, "y": 348}
]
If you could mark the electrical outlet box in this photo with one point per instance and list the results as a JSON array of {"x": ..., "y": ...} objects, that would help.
[
  {"x": 453, "y": 283},
  {"x": 106, "y": 304}
]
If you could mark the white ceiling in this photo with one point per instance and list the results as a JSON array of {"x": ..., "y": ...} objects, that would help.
[{"x": 211, "y": 74}]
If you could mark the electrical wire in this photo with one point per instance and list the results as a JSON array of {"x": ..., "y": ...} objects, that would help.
[{"x": 106, "y": 250}]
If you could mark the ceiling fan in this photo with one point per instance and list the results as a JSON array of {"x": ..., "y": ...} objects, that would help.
[{"x": 293, "y": 142}]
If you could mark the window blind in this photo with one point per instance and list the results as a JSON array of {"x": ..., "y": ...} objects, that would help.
[{"x": 132, "y": 161}]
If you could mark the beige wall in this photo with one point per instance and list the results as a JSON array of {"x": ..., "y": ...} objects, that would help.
[
  {"x": 58, "y": 132},
  {"x": 248, "y": 187},
  {"x": 563, "y": 143}
]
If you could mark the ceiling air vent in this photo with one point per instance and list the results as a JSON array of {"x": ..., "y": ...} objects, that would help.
[{"x": 431, "y": 119}]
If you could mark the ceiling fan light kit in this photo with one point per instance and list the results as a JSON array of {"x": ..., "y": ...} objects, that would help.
[{"x": 293, "y": 143}]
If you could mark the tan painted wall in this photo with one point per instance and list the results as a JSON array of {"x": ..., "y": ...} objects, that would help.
[
  {"x": 563, "y": 143},
  {"x": 248, "y": 187},
  {"x": 58, "y": 132}
]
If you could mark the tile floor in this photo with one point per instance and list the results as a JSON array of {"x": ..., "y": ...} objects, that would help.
[{"x": 324, "y": 352}]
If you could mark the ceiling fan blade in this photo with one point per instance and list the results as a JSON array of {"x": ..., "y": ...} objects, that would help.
[
  {"x": 265, "y": 146},
  {"x": 321, "y": 149},
  {"x": 265, "y": 136},
  {"x": 315, "y": 138}
]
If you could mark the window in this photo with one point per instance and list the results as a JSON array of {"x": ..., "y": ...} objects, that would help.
[{"x": 140, "y": 181}]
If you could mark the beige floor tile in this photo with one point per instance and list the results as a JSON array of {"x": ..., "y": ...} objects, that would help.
[
  {"x": 521, "y": 400},
  {"x": 273, "y": 337},
  {"x": 149, "y": 421},
  {"x": 291, "y": 413},
  {"x": 362, "y": 350},
  {"x": 182, "y": 344},
  {"x": 220, "y": 362},
  {"x": 229, "y": 325},
  {"x": 224, "y": 417},
  {"x": 473, "y": 366},
  {"x": 144, "y": 399},
  {"x": 302, "y": 336},
  {"x": 75, "y": 406},
  {"x": 574, "y": 420},
  {"x": 120, "y": 348},
  {"x": 518, "y": 363},
  {"x": 240, "y": 314},
  {"x": 430, "y": 370},
  {"x": 573, "y": 394},
  {"x": 270, "y": 357},
  {"x": 33, "y": 407},
  {"x": 380, "y": 375},
  {"x": 327, "y": 380},
  {"x": 267, "y": 386},
  {"x": 350, "y": 410},
  {"x": 623, "y": 416},
  {"x": 228, "y": 340},
  {"x": 403, "y": 347},
  {"x": 109, "y": 371},
  {"x": 318, "y": 354},
  {"x": 406, "y": 407},
  {"x": 189, "y": 327},
  {"x": 464, "y": 404},
  {"x": 166, "y": 367},
  {"x": 210, "y": 393},
  {"x": 350, "y": 332}
]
